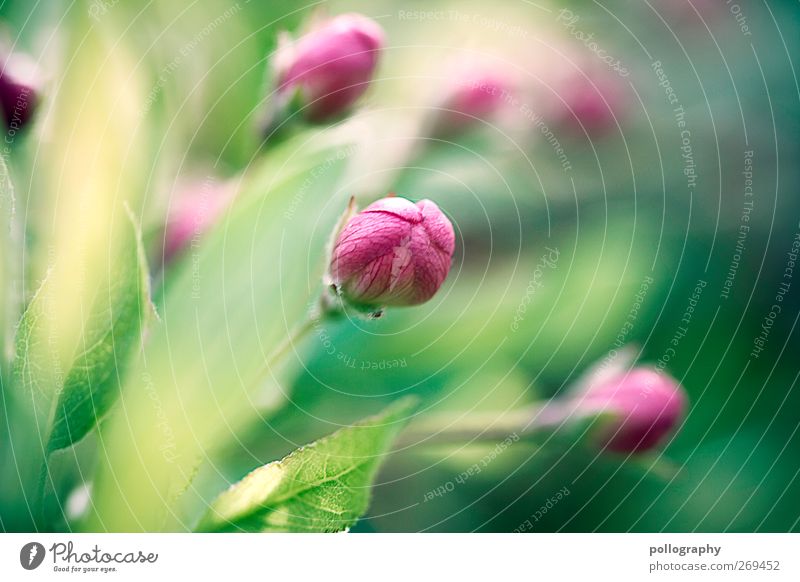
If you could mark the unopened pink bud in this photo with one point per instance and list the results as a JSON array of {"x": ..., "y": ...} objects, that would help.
[
  {"x": 19, "y": 86},
  {"x": 393, "y": 253},
  {"x": 194, "y": 208},
  {"x": 478, "y": 95},
  {"x": 331, "y": 66},
  {"x": 646, "y": 404},
  {"x": 693, "y": 13},
  {"x": 580, "y": 96},
  {"x": 591, "y": 103}
]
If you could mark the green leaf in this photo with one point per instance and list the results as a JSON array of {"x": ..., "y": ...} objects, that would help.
[
  {"x": 79, "y": 242},
  {"x": 9, "y": 243},
  {"x": 322, "y": 487},
  {"x": 113, "y": 328},
  {"x": 92, "y": 385},
  {"x": 226, "y": 309}
]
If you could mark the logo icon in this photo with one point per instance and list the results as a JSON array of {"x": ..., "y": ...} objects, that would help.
[{"x": 31, "y": 555}]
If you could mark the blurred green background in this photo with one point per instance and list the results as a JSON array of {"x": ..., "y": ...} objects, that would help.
[{"x": 140, "y": 95}]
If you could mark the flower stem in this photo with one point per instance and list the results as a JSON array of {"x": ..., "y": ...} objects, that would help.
[
  {"x": 322, "y": 312},
  {"x": 289, "y": 342},
  {"x": 530, "y": 422}
]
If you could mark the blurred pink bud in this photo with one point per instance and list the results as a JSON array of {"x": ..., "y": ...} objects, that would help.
[
  {"x": 589, "y": 100},
  {"x": 394, "y": 252},
  {"x": 647, "y": 405},
  {"x": 477, "y": 95},
  {"x": 331, "y": 66},
  {"x": 195, "y": 207},
  {"x": 19, "y": 85},
  {"x": 687, "y": 12}
]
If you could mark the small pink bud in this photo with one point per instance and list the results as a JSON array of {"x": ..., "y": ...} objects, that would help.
[
  {"x": 194, "y": 208},
  {"x": 479, "y": 94},
  {"x": 690, "y": 13},
  {"x": 578, "y": 95},
  {"x": 590, "y": 103},
  {"x": 19, "y": 85},
  {"x": 331, "y": 66},
  {"x": 647, "y": 405},
  {"x": 394, "y": 252}
]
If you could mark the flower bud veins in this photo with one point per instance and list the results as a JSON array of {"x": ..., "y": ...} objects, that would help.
[{"x": 393, "y": 253}]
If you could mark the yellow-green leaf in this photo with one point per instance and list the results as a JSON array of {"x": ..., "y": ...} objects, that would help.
[
  {"x": 322, "y": 487},
  {"x": 112, "y": 330}
]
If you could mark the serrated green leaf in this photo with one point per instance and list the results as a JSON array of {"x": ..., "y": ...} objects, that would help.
[
  {"x": 225, "y": 311},
  {"x": 322, "y": 487},
  {"x": 9, "y": 243},
  {"x": 78, "y": 237},
  {"x": 92, "y": 385},
  {"x": 113, "y": 328}
]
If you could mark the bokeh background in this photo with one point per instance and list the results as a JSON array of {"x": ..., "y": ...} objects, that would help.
[{"x": 643, "y": 206}]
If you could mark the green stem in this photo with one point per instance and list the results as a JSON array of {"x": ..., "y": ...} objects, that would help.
[
  {"x": 527, "y": 423},
  {"x": 324, "y": 311},
  {"x": 289, "y": 342}
]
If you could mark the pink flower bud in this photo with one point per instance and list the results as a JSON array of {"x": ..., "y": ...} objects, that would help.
[
  {"x": 591, "y": 103},
  {"x": 194, "y": 208},
  {"x": 394, "y": 252},
  {"x": 478, "y": 94},
  {"x": 694, "y": 13},
  {"x": 647, "y": 405},
  {"x": 19, "y": 83},
  {"x": 331, "y": 66}
]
